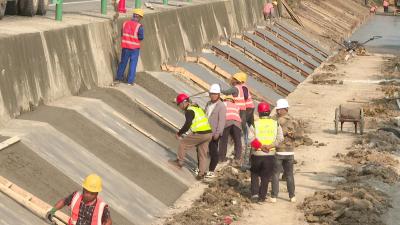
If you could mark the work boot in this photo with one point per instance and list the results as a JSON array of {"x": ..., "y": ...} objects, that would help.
[
  {"x": 271, "y": 200},
  {"x": 293, "y": 199},
  {"x": 210, "y": 174},
  {"x": 176, "y": 163},
  {"x": 200, "y": 177}
]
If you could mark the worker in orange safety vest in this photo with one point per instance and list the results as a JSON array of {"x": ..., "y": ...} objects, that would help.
[
  {"x": 132, "y": 35},
  {"x": 87, "y": 208}
]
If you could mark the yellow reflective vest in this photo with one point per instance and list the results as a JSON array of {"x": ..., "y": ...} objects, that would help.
[
  {"x": 266, "y": 131},
  {"x": 200, "y": 120}
]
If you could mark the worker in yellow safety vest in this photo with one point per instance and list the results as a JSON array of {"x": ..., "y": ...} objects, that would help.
[
  {"x": 199, "y": 137},
  {"x": 265, "y": 135},
  {"x": 86, "y": 207}
]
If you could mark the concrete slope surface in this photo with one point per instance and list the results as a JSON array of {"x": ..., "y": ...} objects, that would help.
[
  {"x": 288, "y": 58},
  {"x": 181, "y": 86},
  {"x": 268, "y": 59},
  {"x": 297, "y": 43},
  {"x": 123, "y": 195},
  {"x": 113, "y": 123},
  {"x": 282, "y": 44},
  {"x": 204, "y": 74},
  {"x": 268, "y": 93},
  {"x": 150, "y": 101},
  {"x": 133, "y": 111},
  {"x": 256, "y": 67},
  {"x": 13, "y": 213},
  {"x": 117, "y": 154}
]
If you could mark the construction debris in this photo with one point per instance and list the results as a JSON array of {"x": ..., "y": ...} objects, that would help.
[
  {"x": 222, "y": 202},
  {"x": 348, "y": 204},
  {"x": 325, "y": 78},
  {"x": 329, "y": 67}
]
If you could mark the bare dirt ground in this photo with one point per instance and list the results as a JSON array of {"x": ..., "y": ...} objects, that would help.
[{"x": 320, "y": 166}]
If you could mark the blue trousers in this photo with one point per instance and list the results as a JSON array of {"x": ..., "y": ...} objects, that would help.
[{"x": 133, "y": 56}]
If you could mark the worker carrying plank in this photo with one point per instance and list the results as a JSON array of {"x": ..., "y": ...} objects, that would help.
[
  {"x": 199, "y": 137},
  {"x": 87, "y": 208},
  {"x": 132, "y": 35}
]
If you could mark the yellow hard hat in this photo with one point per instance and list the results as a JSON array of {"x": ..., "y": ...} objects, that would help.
[
  {"x": 275, "y": 2},
  {"x": 226, "y": 97},
  {"x": 138, "y": 11},
  {"x": 92, "y": 183},
  {"x": 240, "y": 76}
]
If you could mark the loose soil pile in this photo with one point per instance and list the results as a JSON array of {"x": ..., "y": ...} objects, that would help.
[
  {"x": 221, "y": 203},
  {"x": 326, "y": 78},
  {"x": 391, "y": 68},
  {"x": 348, "y": 204}
]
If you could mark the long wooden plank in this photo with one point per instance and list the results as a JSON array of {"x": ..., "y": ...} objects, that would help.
[
  {"x": 292, "y": 14},
  {"x": 29, "y": 201},
  {"x": 9, "y": 142}
]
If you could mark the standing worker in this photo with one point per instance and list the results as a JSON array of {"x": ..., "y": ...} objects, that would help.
[
  {"x": 285, "y": 151},
  {"x": 385, "y": 6},
  {"x": 132, "y": 35},
  {"x": 232, "y": 127},
  {"x": 216, "y": 112},
  {"x": 268, "y": 11},
  {"x": 268, "y": 134},
  {"x": 87, "y": 208},
  {"x": 199, "y": 137},
  {"x": 243, "y": 99}
]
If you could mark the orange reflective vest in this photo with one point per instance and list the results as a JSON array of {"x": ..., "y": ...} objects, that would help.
[
  {"x": 239, "y": 99},
  {"x": 232, "y": 111},
  {"x": 249, "y": 101},
  {"x": 75, "y": 206},
  {"x": 130, "y": 38}
]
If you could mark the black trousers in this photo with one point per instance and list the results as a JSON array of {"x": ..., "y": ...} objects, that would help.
[
  {"x": 250, "y": 117},
  {"x": 223, "y": 145},
  {"x": 261, "y": 169},
  {"x": 213, "y": 152}
]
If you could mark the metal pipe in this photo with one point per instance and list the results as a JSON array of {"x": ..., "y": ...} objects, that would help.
[
  {"x": 138, "y": 4},
  {"x": 104, "y": 7}
]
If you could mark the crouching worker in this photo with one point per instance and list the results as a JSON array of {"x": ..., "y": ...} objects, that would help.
[
  {"x": 87, "y": 208},
  {"x": 265, "y": 135}
]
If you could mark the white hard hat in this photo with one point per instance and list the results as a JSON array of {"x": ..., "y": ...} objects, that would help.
[
  {"x": 282, "y": 104},
  {"x": 215, "y": 89}
]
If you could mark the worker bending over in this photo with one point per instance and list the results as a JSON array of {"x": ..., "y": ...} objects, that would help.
[
  {"x": 232, "y": 127},
  {"x": 267, "y": 135},
  {"x": 87, "y": 208},
  {"x": 199, "y": 137}
]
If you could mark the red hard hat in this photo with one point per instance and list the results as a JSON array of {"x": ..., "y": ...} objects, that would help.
[
  {"x": 181, "y": 97},
  {"x": 263, "y": 107}
]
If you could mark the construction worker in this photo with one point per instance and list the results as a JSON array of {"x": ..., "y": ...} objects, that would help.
[
  {"x": 232, "y": 127},
  {"x": 386, "y": 6},
  {"x": 243, "y": 99},
  {"x": 199, "y": 137},
  {"x": 87, "y": 208},
  {"x": 284, "y": 151},
  {"x": 266, "y": 135},
  {"x": 216, "y": 112},
  {"x": 132, "y": 35},
  {"x": 268, "y": 11}
]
